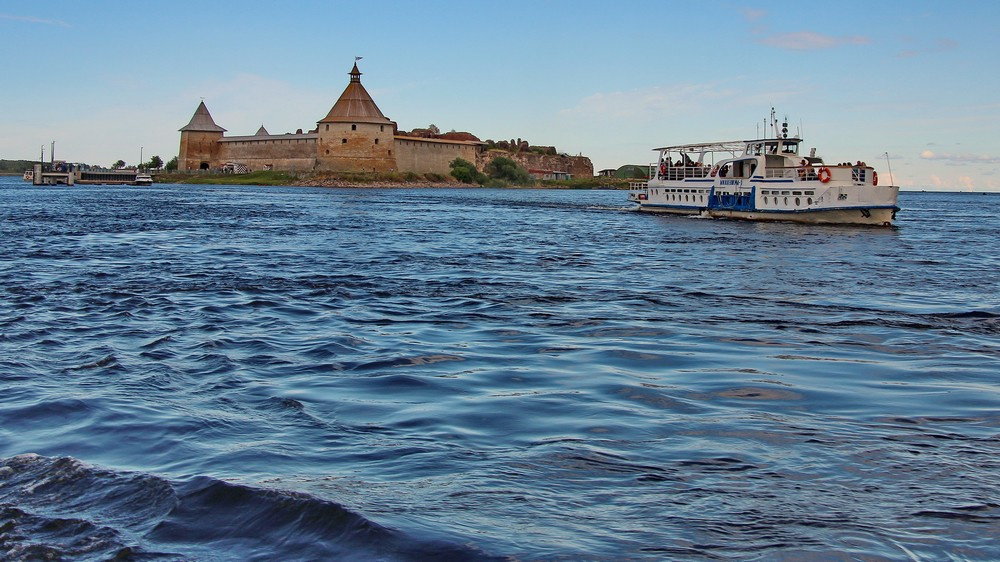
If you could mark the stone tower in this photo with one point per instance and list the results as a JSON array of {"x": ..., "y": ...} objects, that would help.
[
  {"x": 355, "y": 136},
  {"x": 200, "y": 142}
]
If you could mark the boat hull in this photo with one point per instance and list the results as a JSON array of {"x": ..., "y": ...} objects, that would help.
[{"x": 857, "y": 216}]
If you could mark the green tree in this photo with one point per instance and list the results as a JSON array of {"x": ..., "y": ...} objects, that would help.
[
  {"x": 505, "y": 169},
  {"x": 155, "y": 163},
  {"x": 118, "y": 165},
  {"x": 466, "y": 172},
  {"x": 171, "y": 164}
]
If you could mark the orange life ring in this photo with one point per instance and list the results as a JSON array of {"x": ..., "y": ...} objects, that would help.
[
  {"x": 874, "y": 177},
  {"x": 715, "y": 170},
  {"x": 824, "y": 174}
]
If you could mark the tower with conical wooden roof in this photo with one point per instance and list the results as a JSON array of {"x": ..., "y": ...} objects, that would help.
[
  {"x": 200, "y": 142},
  {"x": 355, "y": 136}
]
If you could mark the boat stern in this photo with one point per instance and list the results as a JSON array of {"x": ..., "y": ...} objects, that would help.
[{"x": 638, "y": 192}]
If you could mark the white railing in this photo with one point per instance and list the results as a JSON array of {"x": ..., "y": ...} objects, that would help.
[{"x": 679, "y": 172}]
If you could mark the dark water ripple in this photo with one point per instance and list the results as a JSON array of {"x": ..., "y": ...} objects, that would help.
[{"x": 202, "y": 373}]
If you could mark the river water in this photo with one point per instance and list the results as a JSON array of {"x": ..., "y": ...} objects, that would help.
[{"x": 263, "y": 373}]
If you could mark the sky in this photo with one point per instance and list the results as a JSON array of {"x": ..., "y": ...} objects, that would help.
[{"x": 910, "y": 87}]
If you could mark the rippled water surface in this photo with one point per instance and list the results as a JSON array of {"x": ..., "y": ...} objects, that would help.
[{"x": 214, "y": 373}]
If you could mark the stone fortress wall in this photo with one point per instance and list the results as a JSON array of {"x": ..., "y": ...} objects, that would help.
[
  {"x": 354, "y": 137},
  {"x": 294, "y": 153}
]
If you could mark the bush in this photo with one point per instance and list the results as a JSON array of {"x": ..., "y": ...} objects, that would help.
[
  {"x": 466, "y": 172},
  {"x": 505, "y": 169}
]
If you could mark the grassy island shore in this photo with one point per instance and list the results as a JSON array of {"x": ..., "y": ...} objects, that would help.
[{"x": 320, "y": 179}]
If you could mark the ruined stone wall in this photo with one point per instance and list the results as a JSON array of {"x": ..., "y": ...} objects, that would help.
[
  {"x": 577, "y": 166},
  {"x": 283, "y": 154},
  {"x": 420, "y": 156}
]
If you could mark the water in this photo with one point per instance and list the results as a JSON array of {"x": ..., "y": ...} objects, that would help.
[{"x": 216, "y": 373}]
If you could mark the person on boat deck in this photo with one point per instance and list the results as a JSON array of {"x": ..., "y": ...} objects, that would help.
[{"x": 806, "y": 170}]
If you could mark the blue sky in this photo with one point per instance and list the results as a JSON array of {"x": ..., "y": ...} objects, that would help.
[{"x": 610, "y": 80}]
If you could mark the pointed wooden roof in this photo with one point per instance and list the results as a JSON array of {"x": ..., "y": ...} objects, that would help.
[
  {"x": 262, "y": 132},
  {"x": 202, "y": 121},
  {"x": 355, "y": 104}
]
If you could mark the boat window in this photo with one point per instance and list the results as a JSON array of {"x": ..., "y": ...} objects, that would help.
[
  {"x": 796, "y": 193},
  {"x": 739, "y": 168},
  {"x": 765, "y": 200},
  {"x": 810, "y": 193},
  {"x": 797, "y": 202},
  {"x": 784, "y": 193},
  {"x": 790, "y": 147},
  {"x": 809, "y": 201}
]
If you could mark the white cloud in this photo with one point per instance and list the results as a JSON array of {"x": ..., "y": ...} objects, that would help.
[
  {"x": 810, "y": 40},
  {"x": 928, "y": 48},
  {"x": 661, "y": 101},
  {"x": 30, "y": 19},
  {"x": 243, "y": 102},
  {"x": 960, "y": 158}
]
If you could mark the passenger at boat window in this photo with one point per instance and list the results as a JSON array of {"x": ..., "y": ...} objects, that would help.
[{"x": 724, "y": 171}]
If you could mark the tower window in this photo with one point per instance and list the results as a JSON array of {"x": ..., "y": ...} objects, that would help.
[
  {"x": 327, "y": 126},
  {"x": 376, "y": 141},
  {"x": 354, "y": 127},
  {"x": 343, "y": 141}
]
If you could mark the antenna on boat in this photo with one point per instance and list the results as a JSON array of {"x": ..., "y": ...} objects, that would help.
[{"x": 890, "y": 168}]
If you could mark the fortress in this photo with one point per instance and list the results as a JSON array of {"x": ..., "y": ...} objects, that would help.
[{"x": 353, "y": 137}]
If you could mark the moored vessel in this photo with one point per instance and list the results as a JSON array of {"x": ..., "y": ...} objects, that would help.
[{"x": 764, "y": 179}]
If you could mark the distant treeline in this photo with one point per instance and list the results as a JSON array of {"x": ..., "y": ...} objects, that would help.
[{"x": 18, "y": 166}]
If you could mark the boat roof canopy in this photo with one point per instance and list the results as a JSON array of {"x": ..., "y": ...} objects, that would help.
[
  {"x": 721, "y": 146},
  {"x": 732, "y": 147}
]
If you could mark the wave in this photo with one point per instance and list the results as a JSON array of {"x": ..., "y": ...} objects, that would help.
[{"x": 62, "y": 508}]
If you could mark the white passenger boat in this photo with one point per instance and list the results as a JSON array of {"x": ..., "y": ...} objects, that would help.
[
  {"x": 764, "y": 179},
  {"x": 143, "y": 179}
]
